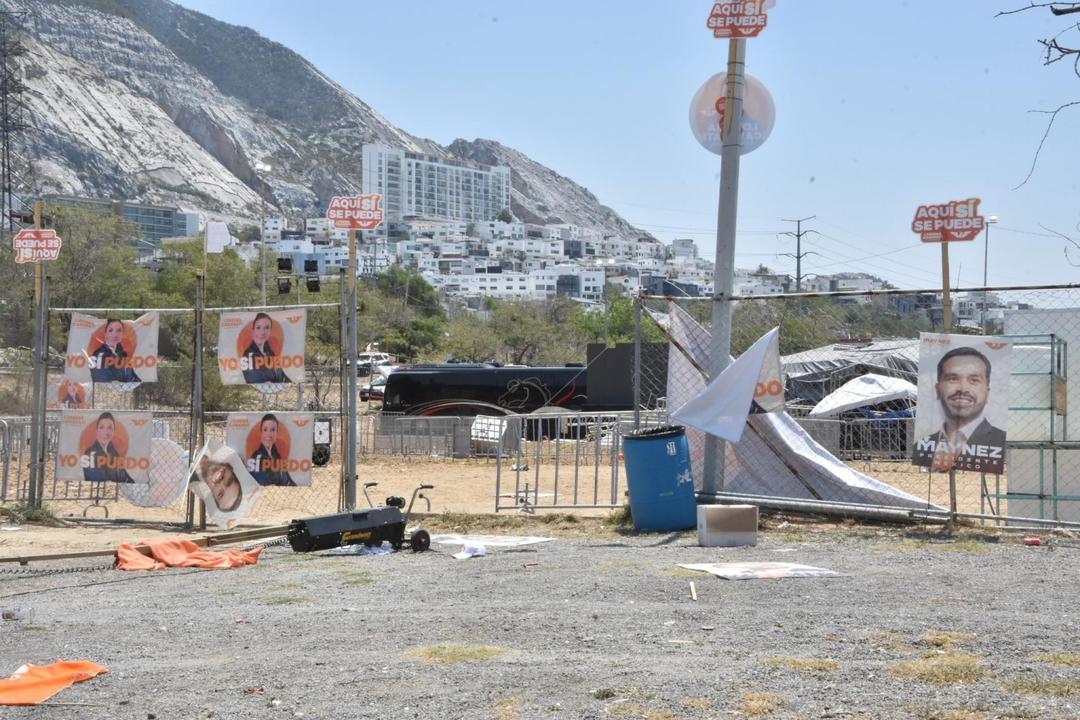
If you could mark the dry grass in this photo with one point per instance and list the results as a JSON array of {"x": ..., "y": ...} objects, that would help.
[
  {"x": 640, "y": 712},
  {"x": 507, "y": 709},
  {"x": 286, "y": 600},
  {"x": 758, "y": 704},
  {"x": 946, "y": 639},
  {"x": 696, "y": 704},
  {"x": 941, "y": 669},
  {"x": 889, "y": 640},
  {"x": 450, "y": 653},
  {"x": 353, "y": 578},
  {"x": 1038, "y": 685},
  {"x": 929, "y": 712},
  {"x": 1059, "y": 659},
  {"x": 818, "y": 665}
]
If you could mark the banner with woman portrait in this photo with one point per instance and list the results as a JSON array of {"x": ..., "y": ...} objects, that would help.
[
  {"x": 111, "y": 350},
  {"x": 276, "y": 447},
  {"x": 104, "y": 446},
  {"x": 63, "y": 393},
  {"x": 262, "y": 348},
  {"x": 222, "y": 481}
]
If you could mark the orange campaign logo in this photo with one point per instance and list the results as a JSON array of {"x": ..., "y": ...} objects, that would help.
[
  {"x": 139, "y": 423},
  {"x": 294, "y": 318},
  {"x": 737, "y": 18},
  {"x": 957, "y": 220},
  {"x": 773, "y": 388},
  {"x": 996, "y": 345},
  {"x": 358, "y": 212},
  {"x": 301, "y": 422}
]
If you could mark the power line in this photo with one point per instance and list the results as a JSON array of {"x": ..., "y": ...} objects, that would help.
[{"x": 799, "y": 254}]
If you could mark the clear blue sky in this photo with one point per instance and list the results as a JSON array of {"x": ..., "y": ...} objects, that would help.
[{"x": 881, "y": 106}]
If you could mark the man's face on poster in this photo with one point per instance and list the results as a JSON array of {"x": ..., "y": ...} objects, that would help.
[
  {"x": 963, "y": 387},
  {"x": 224, "y": 486}
]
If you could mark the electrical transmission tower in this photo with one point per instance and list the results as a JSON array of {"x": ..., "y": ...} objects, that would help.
[
  {"x": 16, "y": 212},
  {"x": 799, "y": 254}
]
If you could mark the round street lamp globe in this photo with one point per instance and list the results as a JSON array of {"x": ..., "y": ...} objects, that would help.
[{"x": 706, "y": 114}]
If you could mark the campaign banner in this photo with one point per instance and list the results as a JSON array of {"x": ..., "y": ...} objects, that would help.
[
  {"x": 276, "y": 447},
  {"x": 111, "y": 350},
  {"x": 63, "y": 393},
  {"x": 225, "y": 486},
  {"x": 256, "y": 348},
  {"x": 962, "y": 415},
  {"x": 104, "y": 446},
  {"x": 752, "y": 384}
]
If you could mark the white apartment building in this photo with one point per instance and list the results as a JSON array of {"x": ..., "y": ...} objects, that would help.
[
  {"x": 273, "y": 224},
  {"x": 498, "y": 229},
  {"x": 683, "y": 248},
  {"x": 419, "y": 185}
]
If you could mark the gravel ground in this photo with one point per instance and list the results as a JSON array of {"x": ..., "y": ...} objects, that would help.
[{"x": 588, "y": 628}]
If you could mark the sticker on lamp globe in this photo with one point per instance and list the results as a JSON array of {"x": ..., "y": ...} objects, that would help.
[{"x": 707, "y": 114}]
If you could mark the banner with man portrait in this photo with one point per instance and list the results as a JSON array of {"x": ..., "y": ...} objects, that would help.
[
  {"x": 222, "y": 481},
  {"x": 104, "y": 446},
  {"x": 111, "y": 350},
  {"x": 962, "y": 415},
  {"x": 276, "y": 447},
  {"x": 262, "y": 348},
  {"x": 63, "y": 393}
]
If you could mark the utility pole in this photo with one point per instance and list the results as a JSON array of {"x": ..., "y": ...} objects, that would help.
[{"x": 799, "y": 254}]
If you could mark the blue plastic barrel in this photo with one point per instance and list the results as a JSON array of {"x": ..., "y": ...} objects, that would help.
[{"x": 658, "y": 477}]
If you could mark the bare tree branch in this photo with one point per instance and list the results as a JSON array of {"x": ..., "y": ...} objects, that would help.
[
  {"x": 1053, "y": 116},
  {"x": 1064, "y": 9},
  {"x": 1066, "y": 238}
]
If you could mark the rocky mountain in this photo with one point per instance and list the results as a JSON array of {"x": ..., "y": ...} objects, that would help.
[{"x": 150, "y": 101}]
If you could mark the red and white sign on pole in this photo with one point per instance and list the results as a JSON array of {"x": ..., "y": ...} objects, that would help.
[
  {"x": 949, "y": 222},
  {"x": 737, "y": 18},
  {"x": 356, "y": 212},
  {"x": 36, "y": 245}
]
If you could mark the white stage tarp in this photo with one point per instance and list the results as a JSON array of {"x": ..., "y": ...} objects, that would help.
[
  {"x": 776, "y": 456},
  {"x": 869, "y": 389}
]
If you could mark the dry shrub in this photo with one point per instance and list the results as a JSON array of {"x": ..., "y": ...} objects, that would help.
[
  {"x": 941, "y": 669},
  {"x": 802, "y": 663},
  {"x": 758, "y": 704}
]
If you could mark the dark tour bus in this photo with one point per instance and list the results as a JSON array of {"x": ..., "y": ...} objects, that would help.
[{"x": 483, "y": 389}]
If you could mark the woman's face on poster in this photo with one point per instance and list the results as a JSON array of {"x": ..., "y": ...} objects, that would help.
[
  {"x": 105, "y": 431},
  {"x": 114, "y": 333},
  {"x": 268, "y": 433},
  {"x": 260, "y": 331}
]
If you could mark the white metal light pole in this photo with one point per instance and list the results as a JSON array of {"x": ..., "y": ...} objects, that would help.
[
  {"x": 986, "y": 256},
  {"x": 724, "y": 269},
  {"x": 264, "y": 168}
]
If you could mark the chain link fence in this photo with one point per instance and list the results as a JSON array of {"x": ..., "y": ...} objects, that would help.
[
  {"x": 862, "y": 453},
  {"x": 180, "y": 425}
]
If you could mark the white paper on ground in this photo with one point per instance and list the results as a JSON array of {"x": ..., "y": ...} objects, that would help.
[
  {"x": 380, "y": 549},
  {"x": 470, "y": 550},
  {"x": 489, "y": 540},
  {"x": 761, "y": 570}
]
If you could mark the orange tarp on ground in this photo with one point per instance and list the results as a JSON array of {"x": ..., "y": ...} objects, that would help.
[
  {"x": 33, "y": 684},
  {"x": 181, "y": 553}
]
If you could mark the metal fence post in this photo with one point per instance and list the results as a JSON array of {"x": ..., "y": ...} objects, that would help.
[
  {"x": 637, "y": 363},
  {"x": 350, "y": 434},
  {"x": 196, "y": 423}
]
